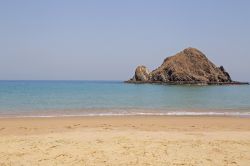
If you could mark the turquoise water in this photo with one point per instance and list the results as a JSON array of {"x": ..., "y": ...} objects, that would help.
[{"x": 69, "y": 98}]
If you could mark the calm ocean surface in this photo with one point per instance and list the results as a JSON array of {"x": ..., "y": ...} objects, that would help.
[{"x": 86, "y": 98}]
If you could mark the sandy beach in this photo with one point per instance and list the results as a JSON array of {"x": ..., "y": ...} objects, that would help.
[{"x": 125, "y": 140}]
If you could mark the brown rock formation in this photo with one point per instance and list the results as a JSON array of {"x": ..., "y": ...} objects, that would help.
[
  {"x": 141, "y": 74},
  {"x": 187, "y": 66}
]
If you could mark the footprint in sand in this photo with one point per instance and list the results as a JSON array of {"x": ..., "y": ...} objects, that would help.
[
  {"x": 52, "y": 147},
  {"x": 69, "y": 127},
  {"x": 99, "y": 141},
  {"x": 25, "y": 128}
]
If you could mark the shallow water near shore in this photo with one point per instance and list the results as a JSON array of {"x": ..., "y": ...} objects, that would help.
[{"x": 93, "y": 98}]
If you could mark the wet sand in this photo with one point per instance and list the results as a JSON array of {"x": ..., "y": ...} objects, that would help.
[{"x": 125, "y": 140}]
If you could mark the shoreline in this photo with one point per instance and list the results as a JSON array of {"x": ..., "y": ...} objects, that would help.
[
  {"x": 53, "y": 113},
  {"x": 126, "y": 115}
]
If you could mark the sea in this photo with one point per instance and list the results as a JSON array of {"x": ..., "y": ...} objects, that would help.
[{"x": 116, "y": 98}]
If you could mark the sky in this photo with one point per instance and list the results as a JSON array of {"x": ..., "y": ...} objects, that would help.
[{"x": 106, "y": 40}]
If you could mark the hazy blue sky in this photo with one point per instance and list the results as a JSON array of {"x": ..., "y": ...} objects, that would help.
[{"x": 106, "y": 40}]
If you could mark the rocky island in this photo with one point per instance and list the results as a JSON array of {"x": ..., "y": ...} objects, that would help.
[{"x": 189, "y": 66}]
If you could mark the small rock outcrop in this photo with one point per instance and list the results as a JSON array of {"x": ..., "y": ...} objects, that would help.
[
  {"x": 141, "y": 74},
  {"x": 189, "y": 66}
]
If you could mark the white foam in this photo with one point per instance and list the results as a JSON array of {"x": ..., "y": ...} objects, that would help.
[{"x": 172, "y": 113}]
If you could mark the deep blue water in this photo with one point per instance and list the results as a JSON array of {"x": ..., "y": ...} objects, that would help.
[{"x": 115, "y": 97}]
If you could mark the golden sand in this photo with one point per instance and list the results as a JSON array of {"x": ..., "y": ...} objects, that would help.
[{"x": 127, "y": 140}]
